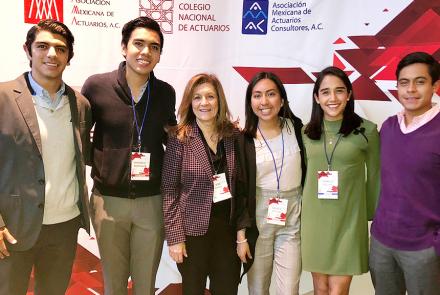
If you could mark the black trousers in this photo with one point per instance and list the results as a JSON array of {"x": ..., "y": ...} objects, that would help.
[
  {"x": 52, "y": 258},
  {"x": 212, "y": 255}
]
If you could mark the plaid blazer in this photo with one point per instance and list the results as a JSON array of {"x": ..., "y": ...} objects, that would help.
[{"x": 187, "y": 186}]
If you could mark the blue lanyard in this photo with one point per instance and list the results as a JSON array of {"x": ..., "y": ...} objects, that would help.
[
  {"x": 139, "y": 130},
  {"x": 273, "y": 158}
]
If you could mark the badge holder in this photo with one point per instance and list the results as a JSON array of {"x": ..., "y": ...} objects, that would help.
[
  {"x": 140, "y": 165},
  {"x": 221, "y": 189},
  {"x": 328, "y": 185},
  {"x": 277, "y": 211}
]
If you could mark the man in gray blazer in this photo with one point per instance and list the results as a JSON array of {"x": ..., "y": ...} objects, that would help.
[{"x": 43, "y": 143}]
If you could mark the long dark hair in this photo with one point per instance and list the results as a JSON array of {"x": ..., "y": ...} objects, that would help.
[
  {"x": 350, "y": 120},
  {"x": 285, "y": 112}
]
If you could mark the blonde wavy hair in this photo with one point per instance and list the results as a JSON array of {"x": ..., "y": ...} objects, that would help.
[{"x": 223, "y": 123}]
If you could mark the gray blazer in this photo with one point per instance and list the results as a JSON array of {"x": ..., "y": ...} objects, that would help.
[{"x": 22, "y": 184}]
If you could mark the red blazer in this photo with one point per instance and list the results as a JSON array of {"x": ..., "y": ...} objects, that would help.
[{"x": 187, "y": 187}]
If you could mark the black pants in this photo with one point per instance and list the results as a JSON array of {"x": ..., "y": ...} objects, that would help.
[
  {"x": 52, "y": 258},
  {"x": 212, "y": 255}
]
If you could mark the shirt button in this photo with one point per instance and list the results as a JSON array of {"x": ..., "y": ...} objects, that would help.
[
  {"x": 41, "y": 181},
  {"x": 41, "y": 205}
]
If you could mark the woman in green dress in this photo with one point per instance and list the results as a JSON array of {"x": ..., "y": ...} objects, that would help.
[{"x": 341, "y": 186}]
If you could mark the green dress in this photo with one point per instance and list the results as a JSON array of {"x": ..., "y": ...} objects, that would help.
[{"x": 334, "y": 233}]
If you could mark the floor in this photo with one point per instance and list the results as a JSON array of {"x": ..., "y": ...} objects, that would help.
[{"x": 87, "y": 279}]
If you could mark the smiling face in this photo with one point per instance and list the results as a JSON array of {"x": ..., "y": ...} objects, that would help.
[
  {"x": 49, "y": 57},
  {"x": 415, "y": 89},
  {"x": 205, "y": 103},
  {"x": 332, "y": 97},
  {"x": 266, "y": 100},
  {"x": 142, "y": 52}
]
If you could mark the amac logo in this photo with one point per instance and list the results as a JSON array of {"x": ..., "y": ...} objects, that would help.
[
  {"x": 255, "y": 17},
  {"x": 36, "y": 10},
  {"x": 159, "y": 10}
]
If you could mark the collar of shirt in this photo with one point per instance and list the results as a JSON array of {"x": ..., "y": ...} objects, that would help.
[
  {"x": 42, "y": 98},
  {"x": 137, "y": 99},
  {"x": 418, "y": 121}
]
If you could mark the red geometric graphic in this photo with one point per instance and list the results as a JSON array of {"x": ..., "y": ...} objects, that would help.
[
  {"x": 287, "y": 75},
  {"x": 366, "y": 89},
  {"x": 87, "y": 278},
  {"x": 36, "y": 10},
  {"x": 416, "y": 28},
  {"x": 337, "y": 62},
  {"x": 339, "y": 41}
]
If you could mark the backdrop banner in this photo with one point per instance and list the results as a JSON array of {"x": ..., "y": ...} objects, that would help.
[{"x": 235, "y": 39}]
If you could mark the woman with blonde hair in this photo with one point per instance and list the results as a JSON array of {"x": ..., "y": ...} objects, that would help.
[{"x": 198, "y": 185}]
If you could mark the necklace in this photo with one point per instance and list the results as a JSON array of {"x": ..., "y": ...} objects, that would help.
[
  {"x": 330, "y": 136},
  {"x": 212, "y": 141}
]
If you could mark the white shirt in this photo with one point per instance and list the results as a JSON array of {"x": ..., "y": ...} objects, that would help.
[
  {"x": 418, "y": 121},
  {"x": 291, "y": 172}
]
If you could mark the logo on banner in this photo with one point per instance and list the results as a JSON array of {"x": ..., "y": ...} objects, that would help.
[
  {"x": 375, "y": 57},
  {"x": 36, "y": 10},
  {"x": 159, "y": 10},
  {"x": 255, "y": 17}
]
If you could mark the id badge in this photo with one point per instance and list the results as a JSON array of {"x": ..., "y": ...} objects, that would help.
[
  {"x": 140, "y": 166},
  {"x": 328, "y": 185},
  {"x": 277, "y": 211},
  {"x": 221, "y": 189}
]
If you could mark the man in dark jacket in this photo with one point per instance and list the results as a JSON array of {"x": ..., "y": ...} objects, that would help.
[{"x": 130, "y": 110}]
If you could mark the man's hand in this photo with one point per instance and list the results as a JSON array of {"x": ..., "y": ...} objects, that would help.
[
  {"x": 177, "y": 252},
  {"x": 4, "y": 234}
]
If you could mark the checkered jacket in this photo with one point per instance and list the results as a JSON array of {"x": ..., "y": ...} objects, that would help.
[{"x": 187, "y": 187}]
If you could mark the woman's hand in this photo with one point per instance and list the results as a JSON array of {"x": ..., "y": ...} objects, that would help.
[
  {"x": 177, "y": 252},
  {"x": 243, "y": 250}
]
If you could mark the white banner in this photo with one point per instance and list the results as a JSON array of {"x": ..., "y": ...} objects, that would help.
[{"x": 235, "y": 39}]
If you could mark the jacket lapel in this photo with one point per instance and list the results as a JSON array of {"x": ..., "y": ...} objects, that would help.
[
  {"x": 75, "y": 119},
  {"x": 230, "y": 158},
  {"x": 27, "y": 109},
  {"x": 199, "y": 150}
]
